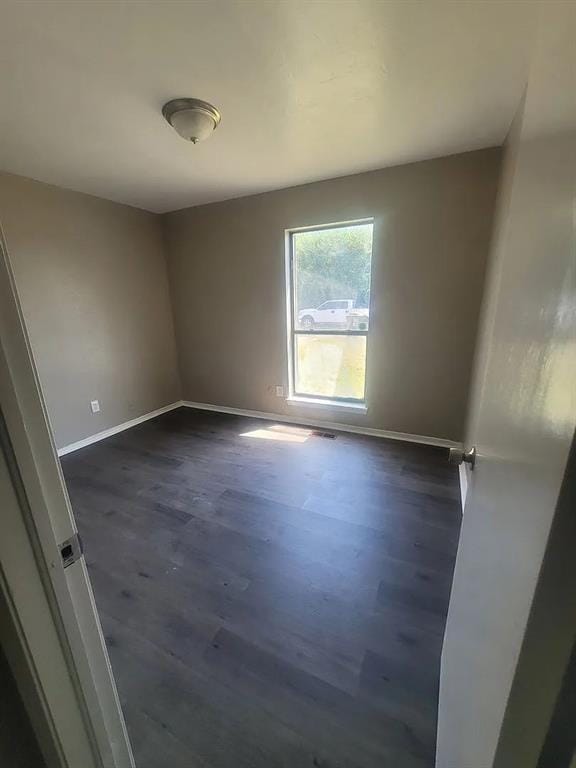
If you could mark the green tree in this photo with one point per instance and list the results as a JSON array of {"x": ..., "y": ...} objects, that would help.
[{"x": 333, "y": 264}]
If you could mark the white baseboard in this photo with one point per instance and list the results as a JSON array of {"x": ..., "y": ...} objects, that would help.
[
  {"x": 287, "y": 419},
  {"x": 119, "y": 428},
  {"x": 403, "y": 436}
]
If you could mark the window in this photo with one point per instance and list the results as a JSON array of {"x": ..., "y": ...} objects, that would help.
[{"x": 329, "y": 308}]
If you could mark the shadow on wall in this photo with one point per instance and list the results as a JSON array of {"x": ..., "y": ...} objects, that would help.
[{"x": 18, "y": 747}]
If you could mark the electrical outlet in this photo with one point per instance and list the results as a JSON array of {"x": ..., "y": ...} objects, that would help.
[
  {"x": 279, "y": 390},
  {"x": 95, "y": 406}
]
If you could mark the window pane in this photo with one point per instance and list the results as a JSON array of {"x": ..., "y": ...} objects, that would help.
[
  {"x": 330, "y": 366},
  {"x": 331, "y": 278}
]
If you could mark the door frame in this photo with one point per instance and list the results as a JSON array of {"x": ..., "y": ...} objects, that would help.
[{"x": 57, "y": 628}]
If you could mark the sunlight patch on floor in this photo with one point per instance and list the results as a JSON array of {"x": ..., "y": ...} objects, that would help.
[{"x": 280, "y": 432}]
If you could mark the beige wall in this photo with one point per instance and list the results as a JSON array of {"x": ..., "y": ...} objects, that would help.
[
  {"x": 92, "y": 281},
  {"x": 431, "y": 237}
]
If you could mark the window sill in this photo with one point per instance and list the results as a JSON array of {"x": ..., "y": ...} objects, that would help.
[{"x": 328, "y": 404}]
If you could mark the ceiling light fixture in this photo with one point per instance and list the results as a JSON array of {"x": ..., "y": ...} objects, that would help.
[{"x": 193, "y": 119}]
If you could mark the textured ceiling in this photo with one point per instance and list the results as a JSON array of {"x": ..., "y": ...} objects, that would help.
[{"x": 307, "y": 90}]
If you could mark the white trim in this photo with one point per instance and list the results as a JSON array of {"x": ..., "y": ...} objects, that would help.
[
  {"x": 289, "y": 300},
  {"x": 403, "y": 436},
  {"x": 332, "y": 225},
  {"x": 464, "y": 482},
  {"x": 118, "y": 428},
  {"x": 334, "y": 405}
]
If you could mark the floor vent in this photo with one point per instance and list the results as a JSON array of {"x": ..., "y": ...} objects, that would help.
[{"x": 327, "y": 435}]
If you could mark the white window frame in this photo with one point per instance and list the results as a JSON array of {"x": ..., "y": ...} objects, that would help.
[{"x": 300, "y": 398}]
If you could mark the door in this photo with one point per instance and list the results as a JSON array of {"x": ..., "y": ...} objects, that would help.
[
  {"x": 522, "y": 419},
  {"x": 326, "y": 315},
  {"x": 340, "y": 315},
  {"x": 92, "y": 732}
]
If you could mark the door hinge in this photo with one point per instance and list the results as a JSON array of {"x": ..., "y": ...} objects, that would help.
[{"x": 71, "y": 550}]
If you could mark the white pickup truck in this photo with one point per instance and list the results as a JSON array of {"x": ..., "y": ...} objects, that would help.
[{"x": 336, "y": 313}]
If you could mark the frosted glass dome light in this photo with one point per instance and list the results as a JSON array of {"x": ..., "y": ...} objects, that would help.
[{"x": 193, "y": 119}]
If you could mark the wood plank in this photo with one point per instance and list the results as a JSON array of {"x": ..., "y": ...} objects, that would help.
[{"x": 269, "y": 604}]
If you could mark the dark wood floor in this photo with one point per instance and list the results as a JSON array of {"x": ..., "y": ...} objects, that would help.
[{"x": 269, "y": 603}]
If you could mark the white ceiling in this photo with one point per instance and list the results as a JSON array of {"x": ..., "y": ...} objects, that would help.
[{"x": 308, "y": 90}]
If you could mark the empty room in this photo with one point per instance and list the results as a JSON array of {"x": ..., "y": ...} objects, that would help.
[{"x": 287, "y": 364}]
